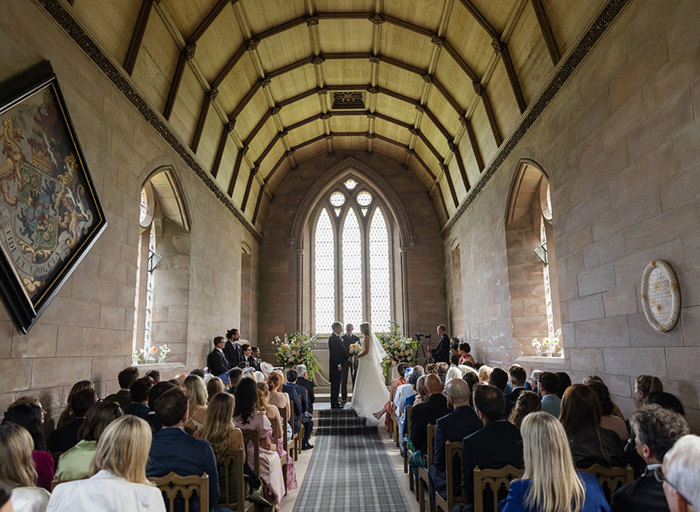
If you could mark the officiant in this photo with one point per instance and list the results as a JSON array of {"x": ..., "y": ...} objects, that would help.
[{"x": 351, "y": 367}]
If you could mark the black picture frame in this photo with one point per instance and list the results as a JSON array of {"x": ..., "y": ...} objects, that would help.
[{"x": 50, "y": 215}]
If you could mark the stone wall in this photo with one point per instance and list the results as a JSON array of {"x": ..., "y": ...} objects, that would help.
[
  {"x": 620, "y": 146},
  {"x": 86, "y": 332}
]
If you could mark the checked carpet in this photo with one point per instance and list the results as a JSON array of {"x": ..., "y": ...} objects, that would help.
[{"x": 349, "y": 469}]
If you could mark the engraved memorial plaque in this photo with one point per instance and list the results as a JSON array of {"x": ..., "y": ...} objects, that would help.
[{"x": 661, "y": 299}]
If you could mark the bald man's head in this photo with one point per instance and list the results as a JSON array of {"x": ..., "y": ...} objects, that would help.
[
  {"x": 433, "y": 385},
  {"x": 458, "y": 390}
]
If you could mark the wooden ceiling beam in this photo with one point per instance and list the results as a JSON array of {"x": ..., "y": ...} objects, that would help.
[
  {"x": 236, "y": 170},
  {"x": 547, "y": 32},
  {"x": 472, "y": 140},
  {"x": 258, "y": 201},
  {"x": 137, "y": 36},
  {"x": 462, "y": 169},
  {"x": 450, "y": 185},
  {"x": 207, "y": 21}
]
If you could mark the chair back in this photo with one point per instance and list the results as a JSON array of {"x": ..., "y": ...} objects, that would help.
[
  {"x": 431, "y": 444},
  {"x": 497, "y": 481},
  {"x": 611, "y": 479},
  {"x": 173, "y": 485},
  {"x": 252, "y": 436},
  {"x": 231, "y": 479},
  {"x": 409, "y": 410},
  {"x": 283, "y": 416},
  {"x": 453, "y": 457}
]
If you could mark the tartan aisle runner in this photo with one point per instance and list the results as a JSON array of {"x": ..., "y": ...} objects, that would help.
[{"x": 349, "y": 468}]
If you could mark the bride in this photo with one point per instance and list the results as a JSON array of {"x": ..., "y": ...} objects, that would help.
[{"x": 369, "y": 394}]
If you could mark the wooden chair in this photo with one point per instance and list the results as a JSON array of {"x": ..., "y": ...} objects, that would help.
[
  {"x": 275, "y": 437},
  {"x": 172, "y": 485},
  {"x": 407, "y": 453},
  {"x": 232, "y": 482},
  {"x": 423, "y": 475},
  {"x": 292, "y": 450},
  {"x": 611, "y": 479},
  {"x": 300, "y": 438},
  {"x": 496, "y": 479},
  {"x": 453, "y": 455},
  {"x": 252, "y": 436},
  {"x": 395, "y": 426}
]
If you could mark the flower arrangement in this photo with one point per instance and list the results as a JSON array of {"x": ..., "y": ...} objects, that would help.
[
  {"x": 150, "y": 355},
  {"x": 398, "y": 348},
  {"x": 297, "y": 348},
  {"x": 548, "y": 346},
  {"x": 355, "y": 349}
]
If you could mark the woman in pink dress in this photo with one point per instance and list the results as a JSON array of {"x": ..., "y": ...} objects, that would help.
[
  {"x": 389, "y": 406},
  {"x": 247, "y": 416},
  {"x": 273, "y": 414}
]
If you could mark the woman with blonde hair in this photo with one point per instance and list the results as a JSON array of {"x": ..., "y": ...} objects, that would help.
[
  {"x": 119, "y": 474},
  {"x": 278, "y": 430},
  {"x": 17, "y": 469},
  {"x": 484, "y": 373},
  {"x": 453, "y": 373},
  {"x": 550, "y": 482},
  {"x": 214, "y": 385},
  {"x": 197, "y": 403}
]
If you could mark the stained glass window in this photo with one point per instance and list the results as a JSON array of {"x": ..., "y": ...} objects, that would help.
[
  {"x": 364, "y": 198},
  {"x": 337, "y": 199},
  {"x": 351, "y": 251},
  {"x": 325, "y": 273},
  {"x": 350, "y": 184},
  {"x": 379, "y": 279}
]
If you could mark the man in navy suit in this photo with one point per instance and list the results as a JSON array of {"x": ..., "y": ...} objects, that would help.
[
  {"x": 457, "y": 425},
  {"x": 517, "y": 377},
  {"x": 139, "y": 391},
  {"x": 499, "y": 379},
  {"x": 294, "y": 398},
  {"x": 232, "y": 350},
  {"x": 441, "y": 353},
  {"x": 496, "y": 445},
  {"x": 306, "y": 417},
  {"x": 216, "y": 360},
  {"x": 307, "y": 385},
  {"x": 175, "y": 450}
]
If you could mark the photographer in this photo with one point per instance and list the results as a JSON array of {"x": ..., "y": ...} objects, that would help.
[{"x": 441, "y": 353}]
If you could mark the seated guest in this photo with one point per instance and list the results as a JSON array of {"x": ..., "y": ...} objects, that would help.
[
  {"x": 279, "y": 430},
  {"x": 667, "y": 401},
  {"x": 245, "y": 416},
  {"x": 234, "y": 377},
  {"x": 533, "y": 382},
  {"x": 216, "y": 360},
  {"x": 403, "y": 392},
  {"x": 17, "y": 470},
  {"x": 5, "y": 498},
  {"x": 214, "y": 386},
  {"x": 295, "y": 404},
  {"x": 527, "y": 402},
  {"x": 516, "y": 377},
  {"x": 154, "y": 375},
  {"x": 453, "y": 373},
  {"x": 499, "y": 379},
  {"x": 423, "y": 415},
  {"x": 496, "y": 445},
  {"x": 615, "y": 409},
  {"x": 550, "y": 482},
  {"x": 471, "y": 377},
  {"x": 197, "y": 405},
  {"x": 74, "y": 463},
  {"x": 198, "y": 371},
  {"x": 175, "y": 450},
  {"x": 67, "y": 437},
  {"x": 608, "y": 419},
  {"x": 656, "y": 430},
  {"x": 156, "y": 391},
  {"x": 30, "y": 415},
  {"x": 643, "y": 385},
  {"x": 68, "y": 415},
  {"x": 304, "y": 382},
  {"x": 442, "y": 369},
  {"x": 547, "y": 389},
  {"x": 464, "y": 354},
  {"x": 278, "y": 398},
  {"x": 590, "y": 444},
  {"x": 139, "y": 391},
  {"x": 306, "y": 417},
  {"x": 243, "y": 365},
  {"x": 564, "y": 383},
  {"x": 255, "y": 355},
  {"x": 411, "y": 401},
  {"x": 484, "y": 373},
  {"x": 680, "y": 474},
  {"x": 119, "y": 480},
  {"x": 455, "y": 426},
  {"x": 126, "y": 378},
  {"x": 248, "y": 355}
]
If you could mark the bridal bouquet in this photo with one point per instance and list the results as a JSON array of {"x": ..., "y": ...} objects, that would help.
[
  {"x": 355, "y": 349},
  {"x": 297, "y": 348},
  {"x": 398, "y": 348}
]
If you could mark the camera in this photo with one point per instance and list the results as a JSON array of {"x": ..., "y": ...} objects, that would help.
[{"x": 419, "y": 336}]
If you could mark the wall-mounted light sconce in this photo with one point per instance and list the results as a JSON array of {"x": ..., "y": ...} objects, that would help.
[{"x": 541, "y": 251}]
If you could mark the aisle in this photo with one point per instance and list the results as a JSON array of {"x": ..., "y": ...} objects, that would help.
[{"x": 349, "y": 469}]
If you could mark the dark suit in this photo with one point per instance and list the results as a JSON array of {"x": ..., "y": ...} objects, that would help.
[
  {"x": 496, "y": 445},
  {"x": 175, "y": 450},
  {"x": 137, "y": 409},
  {"x": 233, "y": 353},
  {"x": 457, "y": 425},
  {"x": 426, "y": 414},
  {"x": 337, "y": 356},
  {"x": 122, "y": 397},
  {"x": 254, "y": 363},
  {"x": 217, "y": 363},
  {"x": 291, "y": 390},
  {"x": 441, "y": 353},
  {"x": 65, "y": 437},
  {"x": 309, "y": 387},
  {"x": 645, "y": 493},
  {"x": 306, "y": 417},
  {"x": 350, "y": 368},
  {"x": 513, "y": 395}
]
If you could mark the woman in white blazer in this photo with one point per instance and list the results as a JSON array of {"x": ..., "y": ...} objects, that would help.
[
  {"x": 17, "y": 469},
  {"x": 119, "y": 474}
]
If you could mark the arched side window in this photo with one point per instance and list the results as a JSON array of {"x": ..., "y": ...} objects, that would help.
[{"x": 352, "y": 264}]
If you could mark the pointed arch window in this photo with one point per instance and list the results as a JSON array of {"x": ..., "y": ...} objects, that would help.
[{"x": 352, "y": 278}]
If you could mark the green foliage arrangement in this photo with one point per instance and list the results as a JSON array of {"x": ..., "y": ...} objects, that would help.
[
  {"x": 297, "y": 348},
  {"x": 399, "y": 349}
]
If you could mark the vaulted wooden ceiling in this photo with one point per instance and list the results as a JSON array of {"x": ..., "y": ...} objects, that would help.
[{"x": 253, "y": 87}]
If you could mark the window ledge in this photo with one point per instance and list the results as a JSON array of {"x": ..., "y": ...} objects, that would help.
[
  {"x": 167, "y": 370},
  {"x": 560, "y": 361}
]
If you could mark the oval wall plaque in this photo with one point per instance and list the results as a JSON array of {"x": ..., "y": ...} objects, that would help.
[{"x": 661, "y": 297}]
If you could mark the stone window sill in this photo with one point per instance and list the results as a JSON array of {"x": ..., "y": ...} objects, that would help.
[{"x": 532, "y": 360}]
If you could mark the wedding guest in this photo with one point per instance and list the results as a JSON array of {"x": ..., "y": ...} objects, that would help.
[
  {"x": 590, "y": 444},
  {"x": 247, "y": 417},
  {"x": 425, "y": 414},
  {"x": 68, "y": 415},
  {"x": 277, "y": 397},
  {"x": 278, "y": 431},
  {"x": 214, "y": 385},
  {"x": 389, "y": 406},
  {"x": 234, "y": 377},
  {"x": 175, "y": 450},
  {"x": 471, "y": 378},
  {"x": 402, "y": 393},
  {"x": 74, "y": 463},
  {"x": 680, "y": 474},
  {"x": 608, "y": 419},
  {"x": 547, "y": 389},
  {"x": 499, "y": 378},
  {"x": 304, "y": 382},
  {"x": 564, "y": 383},
  {"x": 156, "y": 391},
  {"x": 255, "y": 356},
  {"x": 139, "y": 391},
  {"x": 431, "y": 368},
  {"x": 248, "y": 355},
  {"x": 154, "y": 375},
  {"x": 306, "y": 417},
  {"x": 527, "y": 402},
  {"x": 453, "y": 373},
  {"x": 119, "y": 478},
  {"x": 516, "y": 378},
  {"x": 645, "y": 384},
  {"x": 198, "y": 371},
  {"x": 126, "y": 378},
  {"x": 216, "y": 360},
  {"x": 533, "y": 382},
  {"x": 295, "y": 404},
  {"x": 656, "y": 430},
  {"x": 232, "y": 350},
  {"x": 442, "y": 369},
  {"x": 484, "y": 373},
  {"x": 67, "y": 437},
  {"x": 594, "y": 378},
  {"x": 454, "y": 360},
  {"x": 30, "y": 416},
  {"x": 197, "y": 404},
  {"x": 17, "y": 469},
  {"x": 465, "y": 356},
  {"x": 550, "y": 482},
  {"x": 441, "y": 353},
  {"x": 667, "y": 401}
]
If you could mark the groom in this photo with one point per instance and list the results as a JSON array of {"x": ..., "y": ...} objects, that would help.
[
  {"x": 338, "y": 357},
  {"x": 351, "y": 367}
]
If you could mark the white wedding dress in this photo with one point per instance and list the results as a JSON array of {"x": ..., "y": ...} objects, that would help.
[{"x": 370, "y": 394}]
